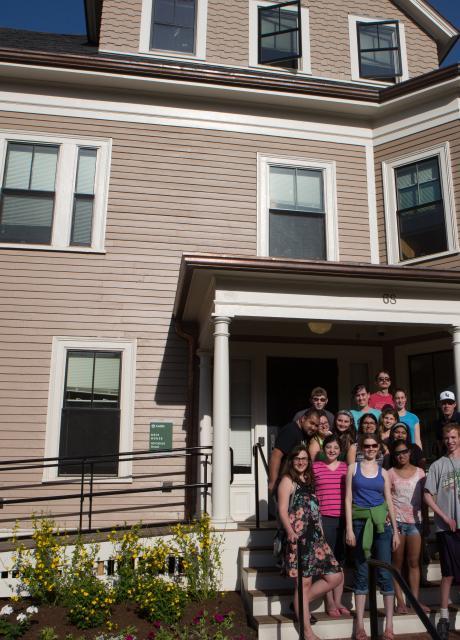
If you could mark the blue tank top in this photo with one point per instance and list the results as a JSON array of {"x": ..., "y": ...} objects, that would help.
[{"x": 368, "y": 492}]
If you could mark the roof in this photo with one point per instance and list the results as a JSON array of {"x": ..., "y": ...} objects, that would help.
[{"x": 55, "y": 43}]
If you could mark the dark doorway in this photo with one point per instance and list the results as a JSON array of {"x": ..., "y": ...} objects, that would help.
[{"x": 289, "y": 382}]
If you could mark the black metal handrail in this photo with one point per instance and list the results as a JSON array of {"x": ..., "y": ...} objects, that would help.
[
  {"x": 256, "y": 452},
  {"x": 87, "y": 475},
  {"x": 373, "y": 565}
]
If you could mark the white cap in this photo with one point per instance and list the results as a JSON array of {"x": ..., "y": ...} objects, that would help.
[{"x": 447, "y": 395}]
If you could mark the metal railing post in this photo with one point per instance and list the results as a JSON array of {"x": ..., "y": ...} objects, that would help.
[
  {"x": 91, "y": 483},
  {"x": 300, "y": 589},
  {"x": 82, "y": 493},
  {"x": 205, "y": 503},
  {"x": 373, "y": 603},
  {"x": 256, "y": 476}
]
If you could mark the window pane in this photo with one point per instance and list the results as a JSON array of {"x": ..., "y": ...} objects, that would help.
[
  {"x": 422, "y": 231},
  {"x": 18, "y": 166},
  {"x": 388, "y": 37},
  {"x": 288, "y": 19},
  {"x": 406, "y": 176},
  {"x": 282, "y": 188},
  {"x": 368, "y": 36},
  {"x": 428, "y": 170},
  {"x": 429, "y": 192},
  {"x": 26, "y": 218},
  {"x": 107, "y": 378},
  {"x": 163, "y": 11},
  {"x": 380, "y": 64},
  {"x": 82, "y": 223},
  {"x": 79, "y": 381},
  {"x": 269, "y": 21},
  {"x": 285, "y": 44},
  {"x": 86, "y": 171},
  {"x": 44, "y": 168},
  {"x": 171, "y": 38},
  {"x": 185, "y": 13},
  {"x": 310, "y": 190},
  {"x": 297, "y": 235}
]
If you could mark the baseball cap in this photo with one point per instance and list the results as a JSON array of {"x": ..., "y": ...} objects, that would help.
[{"x": 447, "y": 395}]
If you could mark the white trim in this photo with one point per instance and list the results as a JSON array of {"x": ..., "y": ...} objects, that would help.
[
  {"x": 64, "y": 188},
  {"x": 56, "y": 388},
  {"x": 389, "y": 189},
  {"x": 372, "y": 205},
  {"x": 354, "y": 54},
  {"x": 328, "y": 169},
  {"x": 305, "y": 61},
  {"x": 200, "y": 33}
]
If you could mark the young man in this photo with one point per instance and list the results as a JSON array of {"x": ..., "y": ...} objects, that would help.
[
  {"x": 361, "y": 397},
  {"x": 442, "y": 497},
  {"x": 382, "y": 396},
  {"x": 318, "y": 400},
  {"x": 297, "y": 432},
  {"x": 448, "y": 406}
]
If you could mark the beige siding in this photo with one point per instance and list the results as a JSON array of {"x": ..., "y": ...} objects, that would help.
[
  {"x": 171, "y": 190},
  {"x": 227, "y": 39},
  {"x": 411, "y": 144}
]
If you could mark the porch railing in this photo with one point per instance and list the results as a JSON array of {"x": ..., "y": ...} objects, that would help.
[
  {"x": 258, "y": 452},
  {"x": 87, "y": 476}
]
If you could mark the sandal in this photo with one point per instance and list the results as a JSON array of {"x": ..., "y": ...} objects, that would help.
[
  {"x": 360, "y": 634},
  {"x": 401, "y": 610},
  {"x": 334, "y": 613},
  {"x": 345, "y": 612}
]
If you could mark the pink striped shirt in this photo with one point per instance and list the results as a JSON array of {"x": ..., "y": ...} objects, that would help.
[{"x": 330, "y": 488}]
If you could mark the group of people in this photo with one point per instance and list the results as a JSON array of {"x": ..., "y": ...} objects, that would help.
[{"x": 357, "y": 479}]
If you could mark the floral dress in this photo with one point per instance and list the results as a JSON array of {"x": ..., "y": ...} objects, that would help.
[{"x": 317, "y": 556}]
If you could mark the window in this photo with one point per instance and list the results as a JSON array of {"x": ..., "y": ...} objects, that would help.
[
  {"x": 419, "y": 207},
  {"x": 240, "y": 415},
  {"x": 90, "y": 406},
  {"x": 377, "y": 50},
  {"x": 297, "y": 216},
  {"x": 174, "y": 28},
  {"x": 53, "y": 192},
  {"x": 279, "y": 35}
]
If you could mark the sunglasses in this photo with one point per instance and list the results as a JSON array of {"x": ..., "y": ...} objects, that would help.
[
  {"x": 370, "y": 446},
  {"x": 401, "y": 452},
  {"x": 384, "y": 379},
  {"x": 319, "y": 399}
]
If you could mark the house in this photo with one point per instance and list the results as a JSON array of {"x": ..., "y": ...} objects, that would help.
[{"x": 207, "y": 209}]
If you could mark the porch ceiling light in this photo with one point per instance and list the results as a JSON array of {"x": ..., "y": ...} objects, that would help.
[{"x": 320, "y": 327}]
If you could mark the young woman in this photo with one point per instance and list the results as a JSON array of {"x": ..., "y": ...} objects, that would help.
[
  {"x": 345, "y": 430},
  {"x": 316, "y": 443},
  {"x": 382, "y": 396},
  {"x": 388, "y": 418},
  {"x": 299, "y": 515},
  {"x": 407, "y": 483},
  {"x": 406, "y": 416},
  {"x": 400, "y": 431},
  {"x": 368, "y": 423},
  {"x": 367, "y": 505},
  {"x": 330, "y": 489}
]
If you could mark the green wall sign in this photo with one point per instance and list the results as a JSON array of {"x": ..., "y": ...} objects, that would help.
[{"x": 160, "y": 437}]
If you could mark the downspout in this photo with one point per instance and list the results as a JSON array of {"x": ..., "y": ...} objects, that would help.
[{"x": 188, "y": 331}]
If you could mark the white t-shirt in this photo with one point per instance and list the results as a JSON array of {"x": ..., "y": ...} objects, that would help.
[{"x": 443, "y": 482}]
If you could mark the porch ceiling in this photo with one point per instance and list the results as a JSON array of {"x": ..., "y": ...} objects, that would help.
[{"x": 296, "y": 291}]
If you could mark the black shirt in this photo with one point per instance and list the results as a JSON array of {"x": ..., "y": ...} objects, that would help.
[{"x": 290, "y": 436}]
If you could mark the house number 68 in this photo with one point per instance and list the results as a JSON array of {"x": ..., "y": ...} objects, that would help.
[{"x": 389, "y": 298}]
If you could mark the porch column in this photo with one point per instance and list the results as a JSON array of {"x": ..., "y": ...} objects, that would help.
[
  {"x": 221, "y": 427},
  {"x": 205, "y": 434},
  {"x": 456, "y": 345}
]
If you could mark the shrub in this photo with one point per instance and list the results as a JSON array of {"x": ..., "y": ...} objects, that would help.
[
  {"x": 203, "y": 627},
  {"x": 14, "y": 625},
  {"x": 159, "y": 599},
  {"x": 127, "y": 549},
  {"x": 87, "y": 598}
]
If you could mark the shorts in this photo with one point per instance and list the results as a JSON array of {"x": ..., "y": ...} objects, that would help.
[
  {"x": 409, "y": 528},
  {"x": 449, "y": 554}
]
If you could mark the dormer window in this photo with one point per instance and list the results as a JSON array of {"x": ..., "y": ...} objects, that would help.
[
  {"x": 279, "y": 34},
  {"x": 379, "y": 50},
  {"x": 173, "y": 25}
]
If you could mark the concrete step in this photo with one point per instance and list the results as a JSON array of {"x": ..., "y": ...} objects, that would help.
[{"x": 281, "y": 627}]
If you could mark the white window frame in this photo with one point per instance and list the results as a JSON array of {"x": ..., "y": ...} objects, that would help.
[
  {"x": 201, "y": 18},
  {"x": 390, "y": 201},
  {"x": 65, "y": 188},
  {"x": 354, "y": 50},
  {"x": 328, "y": 169},
  {"x": 61, "y": 345},
  {"x": 305, "y": 60}
]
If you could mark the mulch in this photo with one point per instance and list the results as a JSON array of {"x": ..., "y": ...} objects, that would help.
[{"x": 124, "y": 615}]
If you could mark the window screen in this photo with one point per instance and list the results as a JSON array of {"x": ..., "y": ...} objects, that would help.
[
  {"x": 173, "y": 25},
  {"x": 83, "y": 204}
]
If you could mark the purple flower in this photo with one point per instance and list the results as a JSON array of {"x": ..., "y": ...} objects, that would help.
[
  {"x": 218, "y": 617},
  {"x": 157, "y": 624}
]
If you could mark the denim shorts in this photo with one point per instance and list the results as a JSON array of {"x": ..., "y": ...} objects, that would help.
[
  {"x": 409, "y": 529},
  {"x": 381, "y": 550}
]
